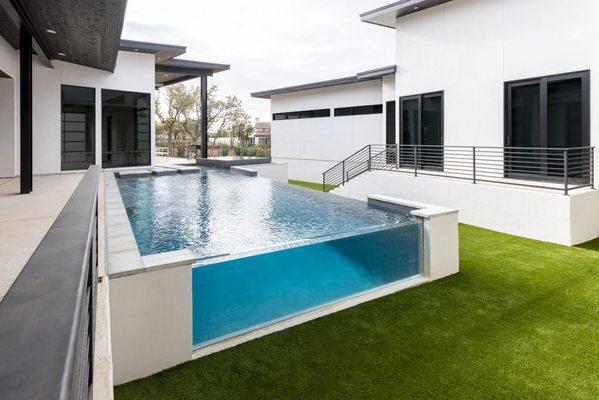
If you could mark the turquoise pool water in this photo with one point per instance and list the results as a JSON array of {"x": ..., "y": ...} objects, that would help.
[{"x": 267, "y": 250}]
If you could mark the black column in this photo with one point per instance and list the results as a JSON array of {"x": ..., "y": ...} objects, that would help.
[
  {"x": 204, "y": 117},
  {"x": 26, "y": 112}
]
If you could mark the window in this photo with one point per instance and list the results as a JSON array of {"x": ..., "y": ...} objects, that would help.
[
  {"x": 126, "y": 129},
  {"x": 421, "y": 123},
  {"x": 77, "y": 127},
  {"x": 359, "y": 110},
  {"x": 302, "y": 114},
  {"x": 545, "y": 113}
]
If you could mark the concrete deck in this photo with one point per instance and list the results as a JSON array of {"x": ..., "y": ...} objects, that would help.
[{"x": 25, "y": 219}]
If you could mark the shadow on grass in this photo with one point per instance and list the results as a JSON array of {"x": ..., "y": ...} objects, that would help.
[{"x": 591, "y": 245}]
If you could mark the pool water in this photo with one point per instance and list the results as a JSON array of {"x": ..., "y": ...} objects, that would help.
[{"x": 267, "y": 250}]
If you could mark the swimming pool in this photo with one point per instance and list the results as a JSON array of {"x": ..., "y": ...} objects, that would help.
[{"x": 267, "y": 251}]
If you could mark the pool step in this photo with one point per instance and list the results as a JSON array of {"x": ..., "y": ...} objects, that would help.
[
  {"x": 161, "y": 171},
  {"x": 183, "y": 169},
  {"x": 138, "y": 173}
]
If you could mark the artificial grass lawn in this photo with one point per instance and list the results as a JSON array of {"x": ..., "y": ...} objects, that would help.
[
  {"x": 521, "y": 320},
  {"x": 309, "y": 185}
]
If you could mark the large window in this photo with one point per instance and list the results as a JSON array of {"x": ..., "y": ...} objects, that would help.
[
  {"x": 325, "y": 112},
  {"x": 544, "y": 114},
  {"x": 77, "y": 127},
  {"x": 126, "y": 137},
  {"x": 359, "y": 110},
  {"x": 421, "y": 124}
]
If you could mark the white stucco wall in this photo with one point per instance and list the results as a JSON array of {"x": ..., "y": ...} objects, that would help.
[
  {"x": 310, "y": 146},
  {"x": 133, "y": 72},
  {"x": 469, "y": 48},
  {"x": 9, "y": 89}
]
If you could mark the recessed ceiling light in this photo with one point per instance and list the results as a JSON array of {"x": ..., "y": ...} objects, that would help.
[
  {"x": 416, "y": 8},
  {"x": 159, "y": 58},
  {"x": 52, "y": 31},
  {"x": 61, "y": 54},
  {"x": 165, "y": 74},
  {"x": 135, "y": 49}
]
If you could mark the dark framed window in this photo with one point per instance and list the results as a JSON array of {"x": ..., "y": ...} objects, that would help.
[
  {"x": 543, "y": 114},
  {"x": 126, "y": 129},
  {"x": 325, "y": 112},
  {"x": 78, "y": 109},
  {"x": 359, "y": 110},
  {"x": 421, "y": 124}
]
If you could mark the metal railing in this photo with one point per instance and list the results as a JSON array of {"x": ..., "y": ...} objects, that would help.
[
  {"x": 47, "y": 318},
  {"x": 562, "y": 169}
]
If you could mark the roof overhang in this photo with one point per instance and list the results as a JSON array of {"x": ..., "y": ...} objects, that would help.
[
  {"x": 171, "y": 70},
  {"x": 67, "y": 30},
  {"x": 387, "y": 15},
  {"x": 359, "y": 77}
]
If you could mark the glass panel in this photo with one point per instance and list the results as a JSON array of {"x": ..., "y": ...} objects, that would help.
[
  {"x": 342, "y": 112},
  {"x": 432, "y": 133},
  {"x": 126, "y": 129},
  {"x": 245, "y": 293},
  {"x": 525, "y": 131},
  {"x": 410, "y": 122},
  {"x": 77, "y": 127},
  {"x": 564, "y": 126}
]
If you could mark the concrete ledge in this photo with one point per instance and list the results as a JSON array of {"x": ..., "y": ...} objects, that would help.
[
  {"x": 134, "y": 174},
  {"x": 244, "y": 171},
  {"x": 182, "y": 169},
  {"x": 440, "y": 233},
  {"x": 161, "y": 171},
  {"x": 227, "y": 162}
]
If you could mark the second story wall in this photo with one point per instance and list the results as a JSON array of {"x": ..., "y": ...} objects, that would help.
[{"x": 470, "y": 48}]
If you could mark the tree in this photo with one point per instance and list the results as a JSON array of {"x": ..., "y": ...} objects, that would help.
[{"x": 172, "y": 117}]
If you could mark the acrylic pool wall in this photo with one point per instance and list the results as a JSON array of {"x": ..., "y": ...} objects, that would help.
[{"x": 151, "y": 298}]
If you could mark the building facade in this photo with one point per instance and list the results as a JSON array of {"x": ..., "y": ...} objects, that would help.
[{"x": 499, "y": 93}]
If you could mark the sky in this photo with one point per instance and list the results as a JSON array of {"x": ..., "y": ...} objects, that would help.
[{"x": 268, "y": 43}]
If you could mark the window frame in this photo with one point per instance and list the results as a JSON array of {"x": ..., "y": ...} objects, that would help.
[
  {"x": 543, "y": 81},
  {"x": 307, "y": 114},
  {"x": 372, "y": 109},
  {"x": 91, "y": 124},
  {"x": 420, "y": 97}
]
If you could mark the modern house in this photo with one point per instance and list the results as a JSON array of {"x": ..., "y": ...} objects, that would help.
[
  {"x": 492, "y": 114},
  {"x": 261, "y": 135},
  {"x": 316, "y": 125},
  {"x": 74, "y": 94}
]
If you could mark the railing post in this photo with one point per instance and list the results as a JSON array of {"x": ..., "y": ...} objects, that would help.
[
  {"x": 566, "y": 172},
  {"x": 415, "y": 160},
  {"x": 323, "y": 185},
  {"x": 473, "y": 164},
  {"x": 396, "y": 156},
  {"x": 369, "y": 157},
  {"x": 343, "y": 174}
]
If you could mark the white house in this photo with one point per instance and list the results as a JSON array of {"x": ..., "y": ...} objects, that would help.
[
  {"x": 494, "y": 102},
  {"x": 319, "y": 124},
  {"x": 86, "y": 96}
]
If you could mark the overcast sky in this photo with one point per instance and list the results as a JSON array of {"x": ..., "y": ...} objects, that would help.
[{"x": 269, "y": 43}]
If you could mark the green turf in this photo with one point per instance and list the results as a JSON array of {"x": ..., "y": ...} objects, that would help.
[
  {"x": 309, "y": 185},
  {"x": 520, "y": 321}
]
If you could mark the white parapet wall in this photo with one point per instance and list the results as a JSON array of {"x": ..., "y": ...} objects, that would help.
[
  {"x": 537, "y": 214},
  {"x": 441, "y": 256},
  {"x": 150, "y": 299}
]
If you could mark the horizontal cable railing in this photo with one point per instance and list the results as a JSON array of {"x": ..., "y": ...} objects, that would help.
[
  {"x": 563, "y": 169},
  {"x": 47, "y": 318}
]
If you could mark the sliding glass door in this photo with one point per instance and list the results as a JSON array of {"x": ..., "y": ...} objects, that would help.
[
  {"x": 126, "y": 135},
  {"x": 543, "y": 117},
  {"x": 422, "y": 125},
  {"x": 78, "y": 107}
]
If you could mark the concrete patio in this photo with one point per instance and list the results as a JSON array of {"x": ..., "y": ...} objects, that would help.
[{"x": 25, "y": 219}]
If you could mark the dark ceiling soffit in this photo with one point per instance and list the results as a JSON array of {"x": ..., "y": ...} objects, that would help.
[
  {"x": 176, "y": 80},
  {"x": 195, "y": 65},
  {"x": 408, "y": 8},
  {"x": 4, "y": 74},
  {"x": 8, "y": 30},
  {"x": 373, "y": 74},
  {"x": 167, "y": 69},
  {"x": 19, "y": 15},
  {"x": 149, "y": 47}
]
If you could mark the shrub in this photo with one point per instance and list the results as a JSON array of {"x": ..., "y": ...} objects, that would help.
[{"x": 224, "y": 150}]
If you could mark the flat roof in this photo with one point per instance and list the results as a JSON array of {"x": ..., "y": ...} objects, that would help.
[
  {"x": 171, "y": 70},
  {"x": 369, "y": 75},
  {"x": 387, "y": 15}
]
